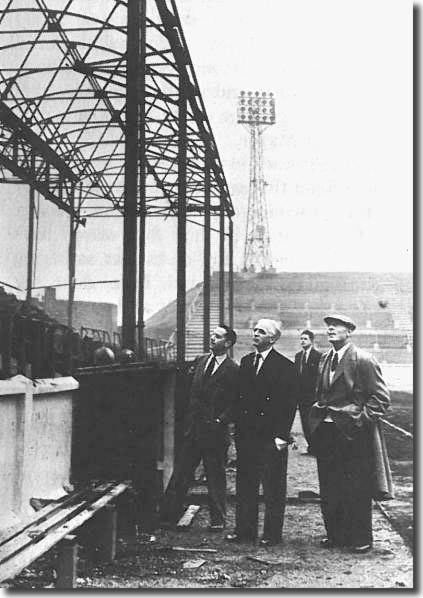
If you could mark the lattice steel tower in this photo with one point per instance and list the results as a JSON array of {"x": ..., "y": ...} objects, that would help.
[{"x": 257, "y": 112}]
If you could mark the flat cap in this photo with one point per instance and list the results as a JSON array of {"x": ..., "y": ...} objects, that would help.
[{"x": 340, "y": 318}]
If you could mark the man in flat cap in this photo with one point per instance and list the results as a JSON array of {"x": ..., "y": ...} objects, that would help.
[
  {"x": 264, "y": 419},
  {"x": 350, "y": 397}
]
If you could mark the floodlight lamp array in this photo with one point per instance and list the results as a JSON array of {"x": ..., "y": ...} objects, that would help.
[{"x": 256, "y": 108}]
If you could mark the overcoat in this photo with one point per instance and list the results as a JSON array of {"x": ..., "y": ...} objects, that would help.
[{"x": 366, "y": 400}]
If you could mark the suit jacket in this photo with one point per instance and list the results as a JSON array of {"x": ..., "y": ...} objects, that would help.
[
  {"x": 307, "y": 378},
  {"x": 357, "y": 395},
  {"x": 267, "y": 400},
  {"x": 210, "y": 399}
]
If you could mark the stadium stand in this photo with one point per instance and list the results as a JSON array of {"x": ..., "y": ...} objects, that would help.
[{"x": 380, "y": 304}]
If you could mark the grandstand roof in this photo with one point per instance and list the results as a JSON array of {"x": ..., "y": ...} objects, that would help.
[{"x": 63, "y": 100}]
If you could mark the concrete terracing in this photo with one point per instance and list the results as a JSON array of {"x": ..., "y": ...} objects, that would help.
[{"x": 379, "y": 303}]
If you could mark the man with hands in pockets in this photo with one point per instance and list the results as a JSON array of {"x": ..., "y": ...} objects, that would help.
[
  {"x": 214, "y": 392},
  {"x": 264, "y": 417}
]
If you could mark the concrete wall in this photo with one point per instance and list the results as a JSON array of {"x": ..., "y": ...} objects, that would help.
[
  {"x": 35, "y": 444},
  {"x": 51, "y": 436}
]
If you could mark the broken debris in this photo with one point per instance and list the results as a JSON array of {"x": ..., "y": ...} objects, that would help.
[{"x": 193, "y": 564}]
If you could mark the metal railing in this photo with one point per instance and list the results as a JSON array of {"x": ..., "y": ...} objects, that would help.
[
  {"x": 40, "y": 348},
  {"x": 159, "y": 350},
  {"x": 36, "y": 348},
  {"x": 153, "y": 349},
  {"x": 97, "y": 334}
]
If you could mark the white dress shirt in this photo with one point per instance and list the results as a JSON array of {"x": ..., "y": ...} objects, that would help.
[
  {"x": 340, "y": 353},
  {"x": 263, "y": 354},
  {"x": 219, "y": 359}
]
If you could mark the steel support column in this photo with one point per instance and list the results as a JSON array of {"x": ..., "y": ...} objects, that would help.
[
  {"x": 206, "y": 260},
  {"x": 182, "y": 224},
  {"x": 222, "y": 260},
  {"x": 231, "y": 277},
  {"x": 73, "y": 223},
  {"x": 30, "y": 263},
  {"x": 129, "y": 278},
  {"x": 142, "y": 188}
]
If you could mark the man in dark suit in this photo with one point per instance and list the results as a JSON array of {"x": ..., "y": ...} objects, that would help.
[
  {"x": 306, "y": 365},
  {"x": 264, "y": 418},
  {"x": 351, "y": 396},
  {"x": 214, "y": 392}
]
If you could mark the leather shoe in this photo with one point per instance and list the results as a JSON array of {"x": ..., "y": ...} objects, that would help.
[
  {"x": 327, "y": 543},
  {"x": 232, "y": 537},
  {"x": 145, "y": 538},
  {"x": 361, "y": 549},
  {"x": 268, "y": 542}
]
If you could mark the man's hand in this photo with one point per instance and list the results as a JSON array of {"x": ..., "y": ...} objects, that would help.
[{"x": 280, "y": 444}]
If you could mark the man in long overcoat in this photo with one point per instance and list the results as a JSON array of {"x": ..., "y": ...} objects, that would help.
[
  {"x": 306, "y": 365},
  {"x": 214, "y": 392},
  {"x": 265, "y": 414},
  {"x": 351, "y": 395}
]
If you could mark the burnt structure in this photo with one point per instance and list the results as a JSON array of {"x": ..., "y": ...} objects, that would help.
[
  {"x": 93, "y": 314},
  {"x": 101, "y": 114},
  {"x": 37, "y": 345}
]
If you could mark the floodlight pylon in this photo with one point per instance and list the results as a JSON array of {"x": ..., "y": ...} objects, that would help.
[{"x": 256, "y": 111}]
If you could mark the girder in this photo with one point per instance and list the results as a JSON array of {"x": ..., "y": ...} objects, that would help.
[
  {"x": 63, "y": 88},
  {"x": 31, "y": 160}
]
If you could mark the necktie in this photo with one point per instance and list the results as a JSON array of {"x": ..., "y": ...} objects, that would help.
[
  {"x": 257, "y": 362},
  {"x": 303, "y": 361},
  {"x": 334, "y": 363},
  {"x": 209, "y": 369}
]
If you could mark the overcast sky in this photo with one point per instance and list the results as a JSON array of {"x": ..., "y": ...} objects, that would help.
[{"x": 338, "y": 161}]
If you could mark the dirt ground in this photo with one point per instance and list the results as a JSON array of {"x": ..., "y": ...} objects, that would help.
[{"x": 298, "y": 563}]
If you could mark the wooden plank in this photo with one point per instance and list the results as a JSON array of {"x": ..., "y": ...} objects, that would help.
[
  {"x": 42, "y": 525},
  {"x": 35, "y": 533},
  {"x": 193, "y": 563},
  {"x": 189, "y": 549},
  {"x": 184, "y": 549},
  {"x": 39, "y": 516},
  {"x": 27, "y": 556},
  {"x": 48, "y": 510},
  {"x": 187, "y": 518}
]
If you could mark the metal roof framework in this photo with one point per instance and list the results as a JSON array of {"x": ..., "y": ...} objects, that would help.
[
  {"x": 101, "y": 113},
  {"x": 63, "y": 98}
]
